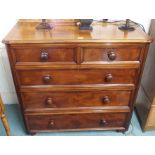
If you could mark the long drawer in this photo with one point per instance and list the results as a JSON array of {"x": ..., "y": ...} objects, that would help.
[
  {"x": 73, "y": 99},
  {"x": 75, "y": 121},
  {"x": 75, "y": 76}
]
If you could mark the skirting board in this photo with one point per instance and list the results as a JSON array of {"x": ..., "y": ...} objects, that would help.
[{"x": 7, "y": 89}]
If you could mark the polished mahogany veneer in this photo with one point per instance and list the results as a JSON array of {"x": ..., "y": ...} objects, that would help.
[
  {"x": 72, "y": 80},
  {"x": 76, "y": 76},
  {"x": 45, "y": 54},
  {"x": 96, "y": 121},
  {"x": 75, "y": 99},
  {"x": 66, "y": 53}
]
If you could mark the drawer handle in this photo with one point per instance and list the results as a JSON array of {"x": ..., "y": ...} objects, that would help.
[
  {"x": 111, "y": 55},
  {"x": 106, "y": 100},
  {"x": 51, "y": 123},
  {"x": 49, "y": 101},
  {"x": 47, "y": 78},
  {"x": 108, "y": 78},
  {"x": 44, "y": 56},
  {"x": 103, "y": 122}
]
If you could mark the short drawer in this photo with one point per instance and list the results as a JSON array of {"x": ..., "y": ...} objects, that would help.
[
  {"x": 75, "y": 77},
  {"x": 52, "y": 100},
  {"x": 111, "y": 54},
  {"x": 75, "y": 121},
  {"x": 45, "y": 54}
]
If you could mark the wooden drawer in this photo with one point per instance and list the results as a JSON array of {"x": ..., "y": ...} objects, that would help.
[
  {"x": 45, "y": 54},
  {"x": 75, "y": 121},
  {"x": 75, "y": 77},
  {"x": 68, "y": 53},
  {"x": 75, "y": 99},
  {"x": 127, "y": 53}
]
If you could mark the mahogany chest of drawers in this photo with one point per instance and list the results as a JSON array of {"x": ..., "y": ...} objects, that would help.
[{"x": 72, "y": 80}]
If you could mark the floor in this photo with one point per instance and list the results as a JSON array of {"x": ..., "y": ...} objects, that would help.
[{"x": 18, "y": 129}]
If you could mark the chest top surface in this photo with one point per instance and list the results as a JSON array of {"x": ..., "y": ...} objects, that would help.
[{"x": 26, "y": 32}]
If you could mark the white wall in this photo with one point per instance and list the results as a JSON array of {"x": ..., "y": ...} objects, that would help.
[
  {"x": 144, "y": 22},
  {"x": 6, "y": 25},
  {"x": 7, "y": 89}
]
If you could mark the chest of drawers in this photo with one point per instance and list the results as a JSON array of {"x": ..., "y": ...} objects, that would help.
[{"x": 72, "y": 80}]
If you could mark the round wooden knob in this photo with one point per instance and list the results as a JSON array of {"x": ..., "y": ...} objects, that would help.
[
  {"x": 108, "y": 78},
  {"x": 49, "y": 101},
  {"x": 103, "y": 122},
  {"x": 51, "y": 124},
  {"x": 47, "y": 78},
  {"x": 44, "y": 56},
  {"x": 106, "y": 100},
  {"x": 111, "y": 55}
]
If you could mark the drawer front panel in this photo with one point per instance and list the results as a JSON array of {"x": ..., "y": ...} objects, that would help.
[
  {"x": 45, "y": 54},
  {"x": 75, "y": 77},
  {"x": 75, "y": 121},
  {"x": 75, "y": 99},
  {"x": 113, "y": 54}
]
